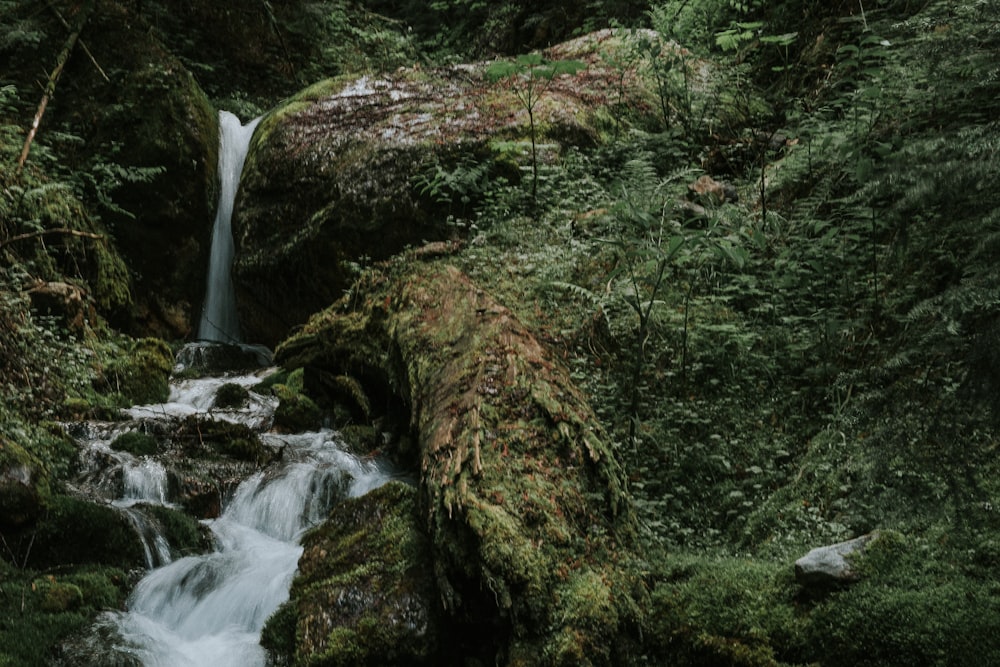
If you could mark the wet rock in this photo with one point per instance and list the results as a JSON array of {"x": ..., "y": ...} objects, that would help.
[
  {"x": 830, "y": 565},
  {"x": 204, "y": 358},
  {"x": 22, "y": 486},
  {"x": 522, "y": 494},
  {"x": 365, "y": 594}
]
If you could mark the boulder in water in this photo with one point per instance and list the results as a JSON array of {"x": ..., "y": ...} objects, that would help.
[
  {"x": 365, "y": 591},
  {"x": 523, "y": 496}
]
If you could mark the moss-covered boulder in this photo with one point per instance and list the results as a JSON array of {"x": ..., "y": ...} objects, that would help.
[
  {"x": 140, "y": 374},
  {"x": 365, "y": 591},
  {"x": 522, "y": 494},
  {"x": 24, "y": 485},
  {"x": 355, "y": 169},
  {"x": 75, "y": 531}
]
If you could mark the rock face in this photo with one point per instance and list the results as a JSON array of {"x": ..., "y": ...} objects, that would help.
[
  {"x": 334, "y": 176},
  {"x": 22, "y": 486},
  {"x": 829, "y": 565},
  {"x": 150, "y": 143},
  {"x": 521, "y": 494}
]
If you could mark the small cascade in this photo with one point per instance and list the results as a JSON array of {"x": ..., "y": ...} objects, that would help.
[
  {"x": 210, "y": 609},
  {"x": 219, "y": 320},
  {"x": 145, "y": 481}
]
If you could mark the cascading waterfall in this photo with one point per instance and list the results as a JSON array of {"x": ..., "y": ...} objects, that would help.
[
  {"x": 210, "y": 609},
  {"x": 219, "y": 319}
]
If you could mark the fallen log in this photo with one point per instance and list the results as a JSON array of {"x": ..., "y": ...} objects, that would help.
[{"x": 523, "y": 496}]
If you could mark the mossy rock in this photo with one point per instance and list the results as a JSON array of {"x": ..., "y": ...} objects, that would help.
[
  {"x": 185, "y": 534},
  {"x": 75, "y": 531},
  {"x": 135, "y": 443},
  {"x": 330, "y": 180},
  {"x": 57, "y": 596},
  {"x": 365, "y": 593},
  {"x": 24, "y": 485},
  {"x": 526, "y": 507},
  {"x": 206, "y": 438},
  {"x": 142, "y": 375},
  {"x": 296, "y": 411},
  {"x": 231, "y": 395}
]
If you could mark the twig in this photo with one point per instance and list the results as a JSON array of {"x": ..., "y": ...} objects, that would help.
[
  {"x": 83, "y": 45},
  {"x": 60, "y": 230},
  {"x": 50, "y": 87}
]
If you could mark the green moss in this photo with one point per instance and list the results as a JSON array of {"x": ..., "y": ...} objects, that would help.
[
  {"x": 38, "y": 611},
  {"x": 185, "y": 535},
  {"x": 135, "y": 443},
  {"x": 24, "y": 484},
  {"x": 364, "y": 593},
  {"x": 231, "y": 395},
  {"x": 57, "y": 596},
  {"x": 278, "y": 635},
  {"x": 142, "y": 375},
  {"x": 209, "y": 438},
  {"x": 77, "y": 532},
  {"x": 295, "y": 411}
]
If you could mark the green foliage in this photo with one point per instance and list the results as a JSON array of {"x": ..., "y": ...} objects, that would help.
[
  {"x": 48, "y": 607},
  {"x": 530, "y": 76},
  {"x": 141, "y": 377},
  {"x": 296, "y": 411},
  {"x": 231, "y": 395}
]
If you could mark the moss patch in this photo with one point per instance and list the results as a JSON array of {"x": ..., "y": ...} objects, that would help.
[{"x": 135, "y": 443}]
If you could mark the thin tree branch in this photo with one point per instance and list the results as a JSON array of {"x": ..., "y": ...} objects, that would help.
[
  {"x": 66, "y": 231},
  {"x": 83, "y": 44},
  {"x": 50, "y": 87}
]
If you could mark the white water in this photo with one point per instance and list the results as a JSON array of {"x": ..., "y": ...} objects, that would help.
[
  {"x": 219, "y": 320},
  {"x": 196, "y": 396},
  {"x": 209, "y": 610}
]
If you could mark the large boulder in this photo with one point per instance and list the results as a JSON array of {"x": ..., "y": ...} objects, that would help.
[
  {"x": 344, "y": 173},
  {"x": 521, "y": 492}
]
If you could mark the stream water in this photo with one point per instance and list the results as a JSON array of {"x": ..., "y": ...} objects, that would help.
[
  {"x": 209, "y": 609},
  {"x": 219, "y": 319}
]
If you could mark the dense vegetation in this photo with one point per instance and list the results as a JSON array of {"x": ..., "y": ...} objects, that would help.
[{"x": 803, "y": 356}]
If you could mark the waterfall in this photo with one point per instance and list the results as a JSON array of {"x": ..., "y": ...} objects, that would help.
[{"x": 219, "y": 319}]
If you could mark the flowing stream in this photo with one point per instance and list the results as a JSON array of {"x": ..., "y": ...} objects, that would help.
[{"x": 209, "y": 609}]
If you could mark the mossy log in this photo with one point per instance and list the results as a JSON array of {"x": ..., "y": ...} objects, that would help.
[{"x": 523, "y": 496}]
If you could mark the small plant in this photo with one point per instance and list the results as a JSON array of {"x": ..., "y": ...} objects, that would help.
[{"x": 531, "y": 75}]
